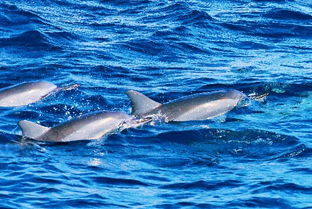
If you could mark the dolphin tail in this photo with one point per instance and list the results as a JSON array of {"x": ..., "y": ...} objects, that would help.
[
  {"x": 140, "y": 103},
  {"x": 32, "y": 130}
]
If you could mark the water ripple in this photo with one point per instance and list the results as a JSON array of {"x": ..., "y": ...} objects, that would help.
[{"x": 257, "y": 155}]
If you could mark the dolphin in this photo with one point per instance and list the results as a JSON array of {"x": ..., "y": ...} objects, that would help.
[
  {"x": 27, "y": 93},
  {"x": 88, "y": 126},
  {"x": 195, "y": 107}
]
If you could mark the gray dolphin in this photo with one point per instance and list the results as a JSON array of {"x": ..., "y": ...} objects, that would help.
[
  {"x": 27, "y": 93},
  {"x": 195, "y": 107},
  {"x": 89, "y": 126}
]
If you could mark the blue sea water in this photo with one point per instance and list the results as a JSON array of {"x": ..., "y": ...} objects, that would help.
[{"x": 258, "y": 156}]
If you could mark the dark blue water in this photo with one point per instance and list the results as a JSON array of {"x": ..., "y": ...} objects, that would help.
[{"x": 258, "y": 156}]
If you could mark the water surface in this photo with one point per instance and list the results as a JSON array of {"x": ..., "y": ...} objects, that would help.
[{"x": 256, "y": 156}]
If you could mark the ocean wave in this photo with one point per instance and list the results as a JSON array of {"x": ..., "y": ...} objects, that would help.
[
  {"x": 203, "y": 185},
  {"x": 37, "y": 40},
  {"x": 260, "y": 201},
  {"x": 270, "y": 30},
  {"x": 179, "y": 14},
  {"x": 251, "y": 144},
  {"x": 153, "y": 48},
  {"x": 118, "y": 181},
  {"x": 250, "y": 85},
  {"x": 32, "y": 39},
  {"x": 254, "y": 156},
  {"x": 12, "y": 16},
  {"x": 279, "y": 185},
  {"x": 196, "y": 17},
  {"x": 284, "y": 14}
]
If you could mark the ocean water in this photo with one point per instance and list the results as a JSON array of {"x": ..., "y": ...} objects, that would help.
[{"x": 258, "y": 156}]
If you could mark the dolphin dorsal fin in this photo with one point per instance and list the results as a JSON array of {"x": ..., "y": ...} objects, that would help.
[
  {"x": 140, "y": 103},
  {"x": 31, "y": 129}
]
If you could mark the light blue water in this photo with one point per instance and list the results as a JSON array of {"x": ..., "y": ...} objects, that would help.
[{"x": 254, "y": 157}]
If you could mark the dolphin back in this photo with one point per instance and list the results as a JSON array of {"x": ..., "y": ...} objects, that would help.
[
  {"x": 25, "y": 93},
  {"x": 87, "y": 127},
  {"x": 203, "y": 106}
]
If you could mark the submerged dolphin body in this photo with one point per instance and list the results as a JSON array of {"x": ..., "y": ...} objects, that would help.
[
  {"x": 89, "y": 126},
  {"x": 195, "y": 107},
  {"x": 27, "y": 93}
]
